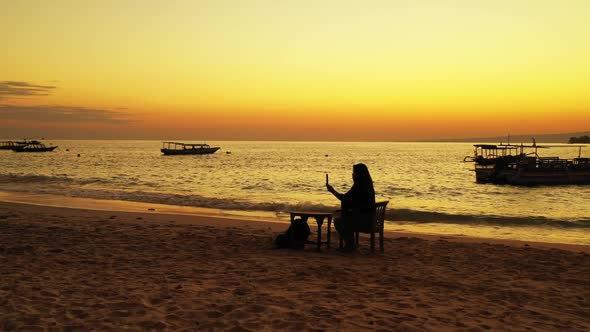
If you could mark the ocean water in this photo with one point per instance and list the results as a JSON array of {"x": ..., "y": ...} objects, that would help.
[{"x": 429, "y": 188}]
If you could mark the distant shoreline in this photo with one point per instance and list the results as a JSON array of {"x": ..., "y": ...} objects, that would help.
[{"x": 561, "y": 138}]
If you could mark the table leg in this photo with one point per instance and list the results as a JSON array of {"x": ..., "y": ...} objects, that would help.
[
  {"x": 320, "y": 222},
  {"x": 291, "y": 239},
  {"x": 320, "y": 235},
  {"x": 329, "y": 230}
]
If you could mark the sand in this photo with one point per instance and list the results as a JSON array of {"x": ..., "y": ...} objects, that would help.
[{"x": 78, "y": 270}]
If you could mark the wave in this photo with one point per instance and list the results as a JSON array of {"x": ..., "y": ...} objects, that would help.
[
  {"x": 64, "y": 179},
  {"x": 481, "y": 219},
  {"x": 282, "y": 208},
  {"x": 18, "y": 178}
]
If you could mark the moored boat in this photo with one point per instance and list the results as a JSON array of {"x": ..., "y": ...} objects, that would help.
[
  {"x": 177, "y": 148},
  {"x": 33, "y": 146},
  {"x": 521, "y": 165}
]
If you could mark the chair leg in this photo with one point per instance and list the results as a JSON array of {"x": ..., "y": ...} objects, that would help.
[
  {"x": 341, "y": 244},
  {"x": 372, "y": 241},
  {"x": 356, "y": 234},
  {"x": 381, "y": 247}
]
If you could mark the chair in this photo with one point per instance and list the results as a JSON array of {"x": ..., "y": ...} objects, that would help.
[{"x": 376, "y": 225}]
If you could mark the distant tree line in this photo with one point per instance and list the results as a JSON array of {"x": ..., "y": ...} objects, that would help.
[{"x": 581, "y": 139}]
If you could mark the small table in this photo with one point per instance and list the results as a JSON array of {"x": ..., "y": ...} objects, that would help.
[{"x": 319, "y": 218}]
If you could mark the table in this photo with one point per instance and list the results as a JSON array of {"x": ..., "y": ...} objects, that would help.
[{"x": 319, "y": 218}]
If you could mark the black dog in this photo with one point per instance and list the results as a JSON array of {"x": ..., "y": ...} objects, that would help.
[{"x": 295, "y": 237}]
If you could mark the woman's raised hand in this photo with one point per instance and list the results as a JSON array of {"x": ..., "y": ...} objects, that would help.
[{"x": 329, "y": 187}]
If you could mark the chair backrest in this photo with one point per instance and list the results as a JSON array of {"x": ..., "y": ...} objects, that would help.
[{"x": 380, "y": 214}]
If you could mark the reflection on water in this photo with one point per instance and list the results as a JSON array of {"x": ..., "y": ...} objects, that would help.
[{"x": 425, "y": 182}]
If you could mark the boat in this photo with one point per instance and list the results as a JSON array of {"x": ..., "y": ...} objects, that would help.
[
  {"x": 519, "y": 164},
  {"x": 33, "y": 146},
  {"x": 176, "y": 148},
  {"x": 9, "y": 145}
]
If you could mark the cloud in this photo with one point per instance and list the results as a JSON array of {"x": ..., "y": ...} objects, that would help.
[
  {"x": 18, "y": 89},
  {"x": 63, "y": 114}
]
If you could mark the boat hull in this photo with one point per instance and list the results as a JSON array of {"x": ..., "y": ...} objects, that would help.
[
  {"x": 170, "y": 152},
  {"x": 24, "y": 149},
  {"x": 532, "y": 177}
]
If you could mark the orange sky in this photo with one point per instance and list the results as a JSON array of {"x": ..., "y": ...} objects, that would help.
[{"x": 293, "y": 70}]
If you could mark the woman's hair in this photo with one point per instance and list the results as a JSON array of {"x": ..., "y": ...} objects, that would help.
[{"x": 362, "y": 178}]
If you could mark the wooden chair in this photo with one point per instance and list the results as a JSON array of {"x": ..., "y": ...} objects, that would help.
[{"x": 376, "y": 225}]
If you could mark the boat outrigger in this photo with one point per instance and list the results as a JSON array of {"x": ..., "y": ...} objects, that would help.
[
  {"x": 175, "y": 148},
  {"x": 9, "y": 145},
  {"x": 521, "y": 165}
]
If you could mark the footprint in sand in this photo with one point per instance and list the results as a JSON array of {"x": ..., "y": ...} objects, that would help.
[
  {"x": 403, "y": 305},
  {"x": 152, "y": 325},
  {"x": 121, "y": 313},
  {"x": 78, "y": 313},
  {"x": 214, "y": 314},
  {"x": 242, "y": 314},
  {"x": 257, "y": 308},
  {"x": 32, "y": 328},
  {"x": 173, "y": 318},
  {"x": 358, "y": 306},
  {"x": 241, "y": 291}
]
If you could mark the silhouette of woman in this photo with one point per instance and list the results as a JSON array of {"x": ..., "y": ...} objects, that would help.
[{"x": 357, "y": 205}]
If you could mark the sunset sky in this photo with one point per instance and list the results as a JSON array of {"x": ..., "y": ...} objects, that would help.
[{"x": 292, "y": 70}]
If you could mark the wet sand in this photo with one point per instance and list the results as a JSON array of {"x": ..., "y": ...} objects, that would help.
[{"x": 80, "y": 270}]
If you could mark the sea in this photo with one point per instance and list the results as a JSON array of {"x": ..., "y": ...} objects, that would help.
[{"x": 429, "y": 188}]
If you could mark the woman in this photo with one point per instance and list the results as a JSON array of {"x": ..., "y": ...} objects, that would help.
[{"x": 357, "y": 205}]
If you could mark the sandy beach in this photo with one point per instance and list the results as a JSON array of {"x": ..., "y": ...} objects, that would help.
[{"x": 77, "y": 270}]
